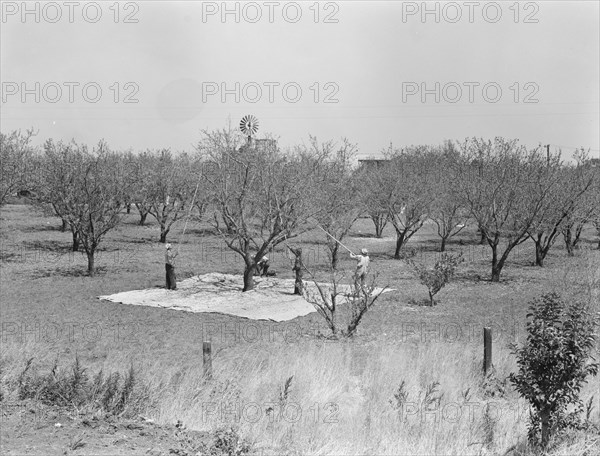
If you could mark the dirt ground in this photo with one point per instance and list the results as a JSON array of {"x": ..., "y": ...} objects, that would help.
[{"x": 31, "y": 428}]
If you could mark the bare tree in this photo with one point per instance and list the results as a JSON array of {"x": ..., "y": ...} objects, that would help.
[
  {"x": 143, "y": 192},
  {"x": 505, "y": 187},
  {"x": 406, "y": 192},
  {"x": 587, "y": 207},
  {"x": 336, "y": 193},
  {"x": 91, "y": 198},
  {"x": 170, "y": 189},
  {"x": 448, "y": 211},
  {"x": 370, "y": 181},
  {"x": 262, "y": 194},
  {"x": 330, "y": 295},
  {"x": 562, "y": 210},
  {"x": 16, "y": 153},
  {"x": 58, "y": 175}
]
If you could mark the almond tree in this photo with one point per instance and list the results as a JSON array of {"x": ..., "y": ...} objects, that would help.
[
  {"x": 143, "y": 192},
  {"x": 448, "y": 211},
  {"x": 336, "y": 194},
  {"x": 595, "y": 199},
  {"x": 92, "y": 197},
  {"x": 563, "y": 209},
  {"x": 170, "y": 189},
  {"x": 15, "y": 159},
  {"x": 327, "y": 297},
  {"x": 505, "y": 188},
  {"x": 58, "y": 175},
  {"x": 262, "y": 194},
  {"x": 406, "y": 192},
  {"x": 372, "y": 199},
  {"x": 587, "y": 208}
]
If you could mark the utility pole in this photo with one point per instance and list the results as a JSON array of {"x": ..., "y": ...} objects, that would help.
[{"x": 548, "y": 154}]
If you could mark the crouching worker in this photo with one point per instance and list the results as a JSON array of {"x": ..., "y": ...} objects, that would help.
[
  {"x": 362, "y": 268},
  {"x": 262, "y": 266},
  {"x": 170, "y": 256}
]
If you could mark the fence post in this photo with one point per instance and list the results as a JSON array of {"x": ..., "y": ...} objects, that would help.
[
  {"x": 487, "y": 350},
  {"x": 206, "y": 360}
]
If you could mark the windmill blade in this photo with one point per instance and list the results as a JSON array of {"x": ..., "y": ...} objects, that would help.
[{"x": 249, "y": 125}]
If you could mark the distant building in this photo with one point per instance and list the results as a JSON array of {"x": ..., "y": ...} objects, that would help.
[{"x": 260, "y": 144}]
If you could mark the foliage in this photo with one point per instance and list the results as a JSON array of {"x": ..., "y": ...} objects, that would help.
[
  {"x": 554, "y": 364},
  {"x": 227, "y": 442},
  {"x": 437, "y": 277}
]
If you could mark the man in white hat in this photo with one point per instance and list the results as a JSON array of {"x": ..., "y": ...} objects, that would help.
[
  {"x": 362, "y": 267},
  {"x": 170, "y": 256},
  {"x": 263, "y": 266}
]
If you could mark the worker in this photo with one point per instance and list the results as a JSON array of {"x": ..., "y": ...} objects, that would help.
[
  {"x": 263, "y": 266},
  {"x": 362, "y": 267},
  {"x": 170, "y": 256}
]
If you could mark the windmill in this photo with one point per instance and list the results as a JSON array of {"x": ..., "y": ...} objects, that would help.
[{"x": 249, "y": 126}]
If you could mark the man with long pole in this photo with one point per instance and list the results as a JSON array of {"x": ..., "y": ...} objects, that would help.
[
  {"x": 362, "y": 268},
  {"x": 362, "y": 262}
]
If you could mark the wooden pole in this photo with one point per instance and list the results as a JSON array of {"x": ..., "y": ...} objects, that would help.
[
  {"x": 324, "y": 231},
  {"x": 487, "y": 350},
  {"x": 206, "y": 360}
]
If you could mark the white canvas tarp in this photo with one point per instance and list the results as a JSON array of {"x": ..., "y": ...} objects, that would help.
[{"x": 272, "y": 299}]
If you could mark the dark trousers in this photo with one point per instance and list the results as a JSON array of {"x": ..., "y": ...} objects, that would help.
[{"x": 171, "y": 280}]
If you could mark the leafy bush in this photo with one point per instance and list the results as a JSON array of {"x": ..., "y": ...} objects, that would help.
[
  {"x": 437, "y": 277},
  {"x": 228, "y": 442},
  {"x": 554, "y": 364}
]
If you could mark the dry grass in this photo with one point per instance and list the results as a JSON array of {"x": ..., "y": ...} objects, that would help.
[{"x": 343, "y": 390}]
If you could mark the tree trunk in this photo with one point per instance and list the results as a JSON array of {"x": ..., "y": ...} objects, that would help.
[
  {"x": 64, "y": 225},
  {"x": 578, "y": 230},
  {"x": 496, "y": 265},
  {"x": 90, "y": 256},
  {"x": 298, "y": 270},
  {"x": 143, "y": 216},
  {"x": 399, "y": 244},
  {"x": 379, "y": 221},
  {"x": 482, "y": 239},
  {"x": 128, "y": 207},
  {"x": 567, "y": 235},
  {"x": 163, "y": 233},
  {"x": 334, "y": 256},
  {"x": 540, "y": 254},
  {"x": 75, "y": 245},
  {"x": 431, "y": 301},
  {"x": 443, "y": 246},
  {"x": 249, "y": 276},
  {"x": 545, "y": 419}
]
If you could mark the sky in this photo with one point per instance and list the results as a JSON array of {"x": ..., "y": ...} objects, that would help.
[{"x": 154, "y": 74}]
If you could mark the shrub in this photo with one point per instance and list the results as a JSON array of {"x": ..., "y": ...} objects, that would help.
[
  {"x": 74, "y": 388},
  {"x": 437, "y": 277},
  {"x": 554, "y": 364}
]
